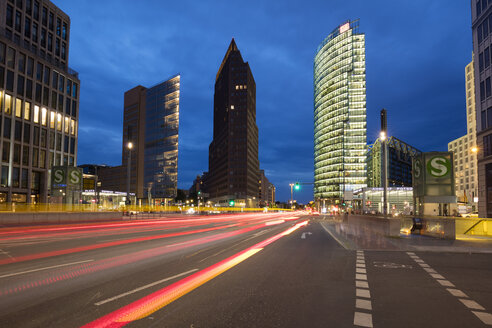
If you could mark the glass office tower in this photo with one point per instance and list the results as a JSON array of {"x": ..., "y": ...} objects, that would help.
[
  {"x": 340, "y": 126},
  {"x": 161, "y": 139}
]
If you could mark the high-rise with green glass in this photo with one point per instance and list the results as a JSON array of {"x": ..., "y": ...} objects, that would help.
[{"x": 340, "y": 126}]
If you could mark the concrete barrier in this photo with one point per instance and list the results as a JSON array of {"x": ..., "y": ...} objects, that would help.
[
  {"x": 13, "y": 218},
  {"x": 385, "y": 226}
]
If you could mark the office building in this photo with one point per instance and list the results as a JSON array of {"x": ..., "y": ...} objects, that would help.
[
  {"x": 482, "y": 40},
  {"x": 399, "y": 163},
  {"x": 465, "y": 148},
  {"x": 39, "y": 99},
  {"x": 150, "y": 127},
  {"x": 340, "y": 114},
  {"x": 266, "y": 191},
  {"x": 233, "y": 153}
]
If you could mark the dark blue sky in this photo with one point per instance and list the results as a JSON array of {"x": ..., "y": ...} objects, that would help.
[{"x": 416, "y": 52}]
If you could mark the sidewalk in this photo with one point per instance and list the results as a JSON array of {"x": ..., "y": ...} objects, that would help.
[{"x": 361, "y": 236}]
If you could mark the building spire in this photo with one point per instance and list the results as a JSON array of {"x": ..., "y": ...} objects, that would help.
[{"x": 232, "y": 47}]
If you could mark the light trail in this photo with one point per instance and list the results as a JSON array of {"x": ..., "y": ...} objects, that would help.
[
  {"x": 100, "y": 265},
  {"x": 103, "y": 245},
  {"x": 157, "y": 300}
]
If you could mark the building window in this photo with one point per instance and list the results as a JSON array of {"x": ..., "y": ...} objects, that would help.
[
  {"x": 58, "y": 26},
  {"x": 487, "y": 87},
  {"x": 10, "y": 16},
  {"x": 482, "y": 91},
  {"x": 27, "y": 27},
  {"x": 18, "y": 21},
  {"x": 64, "y": 32},
  {"x": 34, "y": 32}
]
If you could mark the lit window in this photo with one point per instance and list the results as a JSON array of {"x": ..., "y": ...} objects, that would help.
[
  {"x": 67, "y": 125},
  {"x": 18, "y": 107},
  {"x": 237, "y": 87},
  {"x": 27, "y": 111},
  {"x": 58, "y": 122},
  {"x": 43, "y": 116},
  {"x": 232, "y": 106},
  {"x": 52, "y": 120},
  {"x": 36, "y": 114},
  {"x": 72, "y": 127},
  {"x": 8, "y": 104}
]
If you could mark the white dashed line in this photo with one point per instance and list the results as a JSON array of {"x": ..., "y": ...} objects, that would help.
[
  {"x": 363, "y": 319},
  {"x": 362, "y": 293},
  {"x": 472, "y": 304},
  {"x": 445, "y": 283},
  {"x": 363, "y": 304},
  {"x": 485, "y": 317},
  {"x": 361, "y": 284},
  {"x": 360, "y": 276},
  {"x": 456, "y": 292}
]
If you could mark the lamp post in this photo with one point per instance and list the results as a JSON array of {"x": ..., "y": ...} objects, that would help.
[
  {"x": 382, "y": 137},
  {"x": 128, "y": 172},
  {"x": 291, "y": 193}
]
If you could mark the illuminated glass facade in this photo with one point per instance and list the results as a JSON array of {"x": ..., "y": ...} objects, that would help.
[
  {"x": 340, "y": 126},
  {"x": 161, "y": 139}
]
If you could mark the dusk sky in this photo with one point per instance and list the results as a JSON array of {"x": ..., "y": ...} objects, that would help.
[{"x": 416, "y": 52}]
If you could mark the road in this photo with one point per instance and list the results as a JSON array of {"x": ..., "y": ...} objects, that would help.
[{"x": 244, "y": 270}]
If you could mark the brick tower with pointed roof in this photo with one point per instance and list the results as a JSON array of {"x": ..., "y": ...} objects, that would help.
[{"x": 233, "y": 153}]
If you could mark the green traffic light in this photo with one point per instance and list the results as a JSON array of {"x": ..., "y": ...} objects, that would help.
[
  {"x": 231, "y": 203},
  {"x": 297, "y": 186}
]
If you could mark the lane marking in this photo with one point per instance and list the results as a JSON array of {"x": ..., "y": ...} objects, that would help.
[
  {"x": 363, "y": 319},
  {"x": 5, "y": 253},
  {"x": 363, "y": 304},
  {"x": 360, "y": 270},
  {"x": 360, "y": 265},
  {"x": 471, "y": 304},
  {"x": 485, "y": 317},
  {"x": 144, "y": 287},
  {"x": 362, "y": 293},
  {"x": 41, "y": 269},
  {"x": 436, "y": 276},
  {"x": 362, "y": 284},
  {"x": 360, "y": 276},
  {"x": 456, "y": 292},
  {"x": 445, "y": 283}
]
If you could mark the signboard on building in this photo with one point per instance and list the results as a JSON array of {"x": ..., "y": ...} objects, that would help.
[
  {"x": 66, "y": 177},
  {"x": 433, "y": 178}
]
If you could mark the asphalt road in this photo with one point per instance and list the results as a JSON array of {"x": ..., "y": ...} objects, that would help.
[{"x": 253, "y": 270}]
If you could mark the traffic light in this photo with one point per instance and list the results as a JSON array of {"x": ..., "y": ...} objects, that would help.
[
  {"x": 297, "y": 186},
  {"x": 231, "y": 202},
  {"x": 199, "y": 193}
]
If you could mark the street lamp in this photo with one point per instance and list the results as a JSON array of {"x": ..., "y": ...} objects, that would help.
[
  {"x": 128, "y": 172},
  {"x": 382, "y": 137},
  {"x": 291, "y": 193}
]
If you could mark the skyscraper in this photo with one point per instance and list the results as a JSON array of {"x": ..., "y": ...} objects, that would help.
[
  {"x": 482, "y": 41},
  {"x": 464, "y": 148},
  {"x": 233, "y": 153},
  {"x": 150, "y": 124},
  {"x": 39, "y": 98},
  {"x": 340, "y": 114}
]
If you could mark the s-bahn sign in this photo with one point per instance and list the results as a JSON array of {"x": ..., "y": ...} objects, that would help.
[
  {"x": 433, "y": 174},
  {"x": 66, "y": 177}
]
